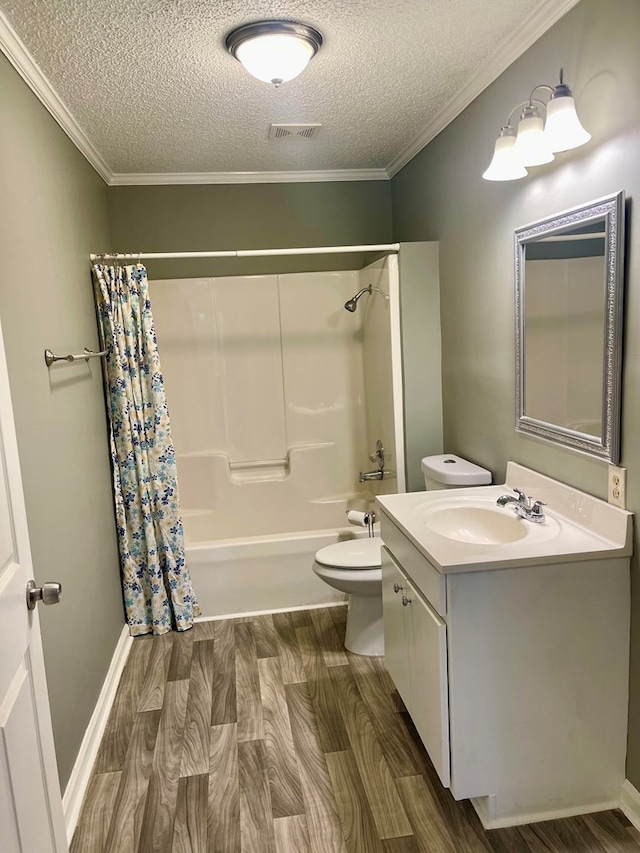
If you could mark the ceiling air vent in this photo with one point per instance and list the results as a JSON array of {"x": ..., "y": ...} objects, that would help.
[{"x": 294, "y": 131}]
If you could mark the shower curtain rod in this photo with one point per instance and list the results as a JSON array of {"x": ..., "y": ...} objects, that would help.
[{"x": 248, "y": 253}]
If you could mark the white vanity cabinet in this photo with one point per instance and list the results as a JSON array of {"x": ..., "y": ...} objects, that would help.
[
  {"x": 416, "y": 657},
  {"x": 516, "y": 673}
]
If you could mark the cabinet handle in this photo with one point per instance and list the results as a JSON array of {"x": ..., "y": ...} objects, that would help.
[
  {"x": 405, "y": 601},
  {"x": 397, "y": 587}
]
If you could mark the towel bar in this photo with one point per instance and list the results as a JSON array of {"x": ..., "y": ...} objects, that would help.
[{"x": 50, "y": 358}]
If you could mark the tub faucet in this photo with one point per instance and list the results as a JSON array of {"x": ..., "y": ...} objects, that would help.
[
  {"x": 374, "y": 475},
  {"x": 523, "y": 506}
]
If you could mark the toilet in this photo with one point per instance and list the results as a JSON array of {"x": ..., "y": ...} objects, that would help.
[
  {"x": 448, "y": 471},
  {"x": 354, "y": 566}
]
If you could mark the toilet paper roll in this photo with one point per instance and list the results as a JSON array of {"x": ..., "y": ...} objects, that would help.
[{"x": 354, "y": 516}]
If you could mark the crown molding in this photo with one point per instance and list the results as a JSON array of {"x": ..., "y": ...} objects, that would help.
[
  {"x": 11, "y": 45},
  {"x": 542, "y": 19},
  {"x": 18, "y": 55},
  {"x": 164, "y": 178}
]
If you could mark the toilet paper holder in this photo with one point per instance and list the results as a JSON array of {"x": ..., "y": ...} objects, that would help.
[{"x": 362, "y": 519}]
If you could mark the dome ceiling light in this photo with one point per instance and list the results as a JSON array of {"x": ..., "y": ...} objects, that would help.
[{"x": 274, "y": 51}]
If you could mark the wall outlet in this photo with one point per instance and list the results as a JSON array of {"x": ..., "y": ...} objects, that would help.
[{"x": 617, "y": 491}]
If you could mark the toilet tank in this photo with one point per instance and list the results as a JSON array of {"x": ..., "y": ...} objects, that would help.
[{"x": 448, "y": 471}]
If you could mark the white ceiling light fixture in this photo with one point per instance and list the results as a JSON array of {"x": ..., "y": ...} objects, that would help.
[
  {"x": 538, "y": 138},
  {"x": 274, "y": 51}
]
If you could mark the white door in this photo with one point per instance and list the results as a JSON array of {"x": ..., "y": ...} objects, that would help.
[{"x": 31, "y": 818}]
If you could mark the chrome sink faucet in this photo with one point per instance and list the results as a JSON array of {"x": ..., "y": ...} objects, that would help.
[{"x": 523, "y": 506}]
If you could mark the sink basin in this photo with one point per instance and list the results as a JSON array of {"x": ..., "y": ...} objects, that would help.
[
  {"x": 477, "y": 520},
  {"x": 480, "y": 525}
]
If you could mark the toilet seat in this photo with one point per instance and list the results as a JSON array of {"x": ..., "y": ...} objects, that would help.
[{"x": 352, "y": 554}]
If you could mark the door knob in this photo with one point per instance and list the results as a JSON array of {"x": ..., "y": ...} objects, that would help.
[
  {"x": 48, "y": 593},
  {"x": 397, "y": 588},
  {"x": 405, "y": 601}
]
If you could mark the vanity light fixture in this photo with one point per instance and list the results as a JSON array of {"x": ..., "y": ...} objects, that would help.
[
  {"x": 274, "y": 51},
  {"x": 543, "y": 130}
]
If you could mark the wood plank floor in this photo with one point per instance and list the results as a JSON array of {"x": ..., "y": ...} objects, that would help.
[{"x": 263, "y": 735}]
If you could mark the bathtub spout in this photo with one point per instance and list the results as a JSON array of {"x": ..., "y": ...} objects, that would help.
[{"x": 375, "y": 475}]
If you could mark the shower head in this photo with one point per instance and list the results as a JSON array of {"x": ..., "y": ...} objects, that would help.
[{"x": 352, "y": 304}]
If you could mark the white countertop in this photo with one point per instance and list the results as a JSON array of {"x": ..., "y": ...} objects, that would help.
[{"x": 578, "y": 527}]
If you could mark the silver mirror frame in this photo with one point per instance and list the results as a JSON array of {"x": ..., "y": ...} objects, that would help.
[{"x": 607, "y": 445}]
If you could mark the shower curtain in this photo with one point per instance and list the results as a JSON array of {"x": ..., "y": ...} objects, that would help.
[{"x": 158, "y": 595}]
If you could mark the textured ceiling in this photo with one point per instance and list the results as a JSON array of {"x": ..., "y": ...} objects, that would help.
[{"x": 152, "y": 87}]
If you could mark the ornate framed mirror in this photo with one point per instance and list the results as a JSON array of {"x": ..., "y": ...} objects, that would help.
[{"x": 568, "y": 303}]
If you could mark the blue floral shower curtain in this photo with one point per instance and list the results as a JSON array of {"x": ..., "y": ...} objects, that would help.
[{"x": 157, "y": 588}]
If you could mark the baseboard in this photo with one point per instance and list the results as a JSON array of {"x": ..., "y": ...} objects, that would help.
[
  {"x": 252, "y": 613},
  {"x": 630, "y": 803},
  {"x": 81, "y": 773},
  {"x": 484, "y": 809}
]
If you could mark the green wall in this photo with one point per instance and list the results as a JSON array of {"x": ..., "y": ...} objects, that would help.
[
  {"x": 249, "y": 216},
  {"x": 53, "y": 212},
  {"x": 440, "y": 195}
]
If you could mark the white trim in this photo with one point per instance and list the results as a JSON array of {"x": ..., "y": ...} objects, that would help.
[
  {"x": 540, "y": 21},
  {"x": 484, "y": 806},
  {"x": 251, "y": 613},
  {"x": 83, "y": 767},
  {"x": 169, "y": 178},
  {"x": 630, "y": 803},
  {"x": 26, "y": 66}
]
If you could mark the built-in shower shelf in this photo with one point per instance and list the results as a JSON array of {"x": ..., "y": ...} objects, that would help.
[{"x": 256, "y": 471}]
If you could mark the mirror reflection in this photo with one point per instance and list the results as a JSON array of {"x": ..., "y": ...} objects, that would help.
[{"x": 568, "y": 306}]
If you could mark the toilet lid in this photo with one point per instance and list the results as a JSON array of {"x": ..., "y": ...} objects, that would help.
[{"x": 352, "y": 554}]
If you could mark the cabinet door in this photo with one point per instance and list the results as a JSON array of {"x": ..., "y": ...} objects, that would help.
[
  {"x": 394, "y": 586},
  {"x": 427, "y": 651},
  {"x": 415, "y": 640}
]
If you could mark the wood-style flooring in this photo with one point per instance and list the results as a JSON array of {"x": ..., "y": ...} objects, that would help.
[{"x": 263, "y": 735}]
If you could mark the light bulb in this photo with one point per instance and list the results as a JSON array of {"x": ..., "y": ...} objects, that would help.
[
  {"x": 274, "y": 51},
  {"x": 531, "y": 145},
  {"x": 505, "y": 165},
  {"x": 275, "y": 58},
  {"x": 562, "y": 128}
]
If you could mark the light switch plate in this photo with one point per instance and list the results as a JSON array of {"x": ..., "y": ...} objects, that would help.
[{"x": 617, "y": 491}]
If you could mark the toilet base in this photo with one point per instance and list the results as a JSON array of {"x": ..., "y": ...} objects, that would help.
[{"x": 365, "y": 634}]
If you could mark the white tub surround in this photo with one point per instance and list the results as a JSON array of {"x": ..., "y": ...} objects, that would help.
[
  {"x": 297, "y": 494},
  {"x": 512, "y": 655},
  {"x": 270, "y": 394},
  {"x": 383, "y": 383}
]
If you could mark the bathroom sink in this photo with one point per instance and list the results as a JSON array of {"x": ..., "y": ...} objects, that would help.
[
  {"x": 466, "y": 530},
  {"x": 476, "y": 520},
  {"x": 483, "y": 526}
]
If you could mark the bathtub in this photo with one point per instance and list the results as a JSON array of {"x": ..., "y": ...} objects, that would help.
[{"x": 262, "y": 573}]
